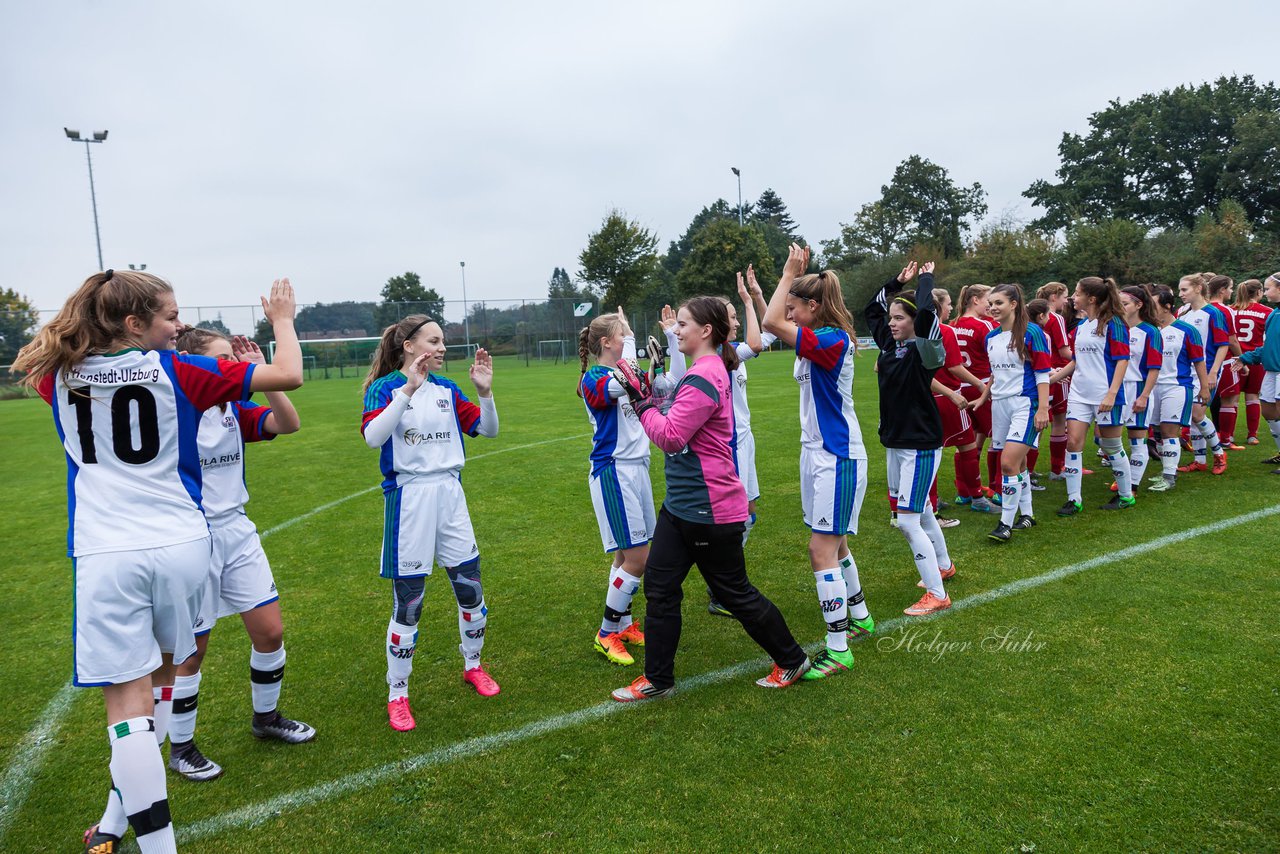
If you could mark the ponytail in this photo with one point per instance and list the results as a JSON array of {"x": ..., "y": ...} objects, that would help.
[
  {"x": 589, "y": 338},
  {"x": 1140, "y": 293},
  {"x": 969, "y": 293},
  {"x": 1018, "y": 329},
  {"x": 90, "y": 321},
  {"x": 389, "y": 354},
  {"x": 824, "y": 289},
  {"x": 1247, "y": 293},
  {"x": 1107, "y": 297}
]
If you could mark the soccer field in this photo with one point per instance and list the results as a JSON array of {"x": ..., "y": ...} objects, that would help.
[{"x": 1104, "y": 683}]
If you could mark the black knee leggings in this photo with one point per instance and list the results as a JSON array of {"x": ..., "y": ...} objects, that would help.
[{"x": 717, "y": 550}]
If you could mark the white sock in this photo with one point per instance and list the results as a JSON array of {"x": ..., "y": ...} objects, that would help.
[
  {"x": 747, "y": 526},
  {"x": 1114, "y": 449},
  {"x": 186, "y": 701},
  {"x": 471, "y": 628},
  {"x": 402, "y": 642},
  {"x": 1209, "y": 434},
  {"x": 162, "y": 710},
  {"x": 266, "y": 674},
  {"x": 113, "y": 820},
  {"x": 1072, "y": 469},
  {"x": 138, "y": 772},
  {"x": 922, "y": 552},
  {"x": 1169, "y": 453},
  {"x": 1024, "y": 496},
  {"x": 1274, "y": 427},
  {"x": 1138, "y": 457},
  {"x": 617, "y": 600},
  {"x": 929, "y": 522},
  {"x": 853, "y": 587},
  {"x": 1010, "y": 495},
  {"x": 835, "y": 610}
]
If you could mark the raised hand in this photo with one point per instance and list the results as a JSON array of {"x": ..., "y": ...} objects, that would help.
[
  {"x": 281, "y": 305},
  {"x": 797, "y": 261},
  {"x": 752, "y": 284},
  {"x": 908, "y": 273},
  {"x": 742, "y": 290},
  {"x": 626, "y": 326},
  {"x": 247, "y": 351},
  {"x": 668, "y": 319},
  {"x": 415, "y": 373},
  {"x": 482, "y": 373},
  {"x": 926, "y": 267}
]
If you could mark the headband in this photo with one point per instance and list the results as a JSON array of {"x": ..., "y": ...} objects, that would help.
[
  {"x": 109, "y": 274},
  {"x": 415, "y": 329},
  {"x": 905, "y": 301}
]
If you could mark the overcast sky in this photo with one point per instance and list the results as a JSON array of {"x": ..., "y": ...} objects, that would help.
[{"x": 340, "y": 144}]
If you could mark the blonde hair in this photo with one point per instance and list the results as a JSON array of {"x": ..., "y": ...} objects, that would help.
[
  {"x": 824, "y": 289},
  {"x": 1247, "y": 293},
  {"x": 1050, "y": 289},
  {"x": 389, "y": 355},
  {"x": 194, "y": 339},
  {"x": 589, "y": 337},
  {"x": 89, "y": 322},
  {"x": 968, "y": 294}
]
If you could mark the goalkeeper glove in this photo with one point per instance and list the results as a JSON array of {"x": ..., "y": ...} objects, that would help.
[{"x": 635, "y": 383}]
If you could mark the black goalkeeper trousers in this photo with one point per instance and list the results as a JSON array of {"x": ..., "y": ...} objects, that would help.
[{"x": 717, "y": 551}]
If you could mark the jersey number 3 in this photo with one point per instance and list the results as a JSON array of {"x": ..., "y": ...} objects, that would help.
[{"x": 121, "y": 425}]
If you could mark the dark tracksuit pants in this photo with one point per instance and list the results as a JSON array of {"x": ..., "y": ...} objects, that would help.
[{"x": 717, "y": 551}]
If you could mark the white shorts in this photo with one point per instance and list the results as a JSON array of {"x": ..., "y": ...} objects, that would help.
[
  {"x": 1270, "y": 392},
  {"x": 623, "y": 499},
  {"x": 426, "y": 520},
  {"x": 1013, "y": 419},
  {"x": 132, "y": 606},
  {"x": 831, "y": 491},
  {"x": 239, "y": 577},
  {"x": 1078, "y": 410},
  {"x": 1171, "y": 404},
  {"x": 911, "y": 475},
  {"x": 747, "y": 465},
  {"x": 1136, "y": 420}
]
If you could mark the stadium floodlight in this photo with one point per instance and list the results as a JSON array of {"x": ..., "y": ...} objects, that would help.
[
  {"x": 738, "y": 174},
  {"x": 99, "y": 136}
]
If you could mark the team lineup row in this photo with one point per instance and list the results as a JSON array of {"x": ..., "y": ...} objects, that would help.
[{"x": 144, "y": 426}]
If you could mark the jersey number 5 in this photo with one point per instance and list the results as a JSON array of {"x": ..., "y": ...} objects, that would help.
[{"x": 121, "y": 425}]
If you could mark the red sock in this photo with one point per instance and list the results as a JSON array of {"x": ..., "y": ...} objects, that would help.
[
  {"x": 893, "y": 503},
  {"x": 968, "y": 474},
  {"x": 933, "y": 495},
  {"x": 1032, "y": 456},
  {"x": 1227, "y": 425},
  {"x": 1057, "y": 453},
  {"x": 993, "y": 470},
  {"x": 1253, "y": 417}
]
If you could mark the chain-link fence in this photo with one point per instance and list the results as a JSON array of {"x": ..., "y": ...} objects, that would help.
[{"x": 339, "y": 337}]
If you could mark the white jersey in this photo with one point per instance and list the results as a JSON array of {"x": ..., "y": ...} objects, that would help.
[
  {"x": 1011, "y": 374},
  {"x": 427, "y": 440},
  {"x": 616, "y": 434},
  {"x": 1210, "y": 324},
  {"x": 824, "y": 370},
  {"x": 1097, "y": 359},
  {"x": 222, "y": 436},
  {"x": 128, "y": 422}
]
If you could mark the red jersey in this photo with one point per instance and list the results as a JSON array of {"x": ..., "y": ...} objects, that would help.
[
  {"x": 1055, "y": 329},
  {"x": 951, "y": 346},
  {"x": 1250, "y": 321},
  {"x": 1229, "y": 313},
  {"x": 971, "y": 333}
]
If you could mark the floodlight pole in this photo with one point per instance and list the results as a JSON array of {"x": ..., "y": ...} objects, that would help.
[
  {"x": 466, "y": 320},
  {"x": 98, "y": 137},
  {"x": 739, "y": 176}
]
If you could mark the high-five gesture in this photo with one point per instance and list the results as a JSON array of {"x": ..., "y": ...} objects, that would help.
[
  {"x": 626, "y": 325},
  {"x": 752, "y": 284},
  {"x": 247, "y": 351},
  {"x": 908, "y": 273},
  {"x": 668, "y": 318},
  {"x": 927, "y": 267},
  {"x": 482, "y": 372},
  {"x": 281, "y": 304},
  {"x": 797, "y": 261},
  {"x": 743, "y": 294}
]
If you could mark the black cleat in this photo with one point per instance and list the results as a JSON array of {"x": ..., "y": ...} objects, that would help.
[
  {"x": 97, "y": 842},
  {"x": 1002, "y": 534},
  {"x": 1023, "y": 523},
  {"x": 1071, "y": 508}
]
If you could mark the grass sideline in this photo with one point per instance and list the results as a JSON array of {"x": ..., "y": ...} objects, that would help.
[{"x": 1129, "y": 707}]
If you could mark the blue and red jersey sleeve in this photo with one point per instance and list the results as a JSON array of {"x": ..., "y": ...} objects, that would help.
[
  {"x": 824, "y": 347},
  {"x": 1117, "y": 341},
  {"x": 253, "y": 421},
  {"x": 1038, "y": 349},
  {"x": 1151, "y": 355},
  {"x": 378, "y": 396},
  {"x": 1191, "y": 343},
  {"x": 1218, "y": 331},
  {"x": 468, "y": 413},
  {"x": 208, "y": 382},
  {"x": 45, "y": 388},
  {"x": 595, "y": 387}
]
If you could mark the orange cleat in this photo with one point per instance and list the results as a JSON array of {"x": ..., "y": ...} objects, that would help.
[
  {"x": 949, "y": 572},
  {"x": 1195, "y": 466},
  {"x": 610, "y": 646},
  {"x": 1220, "y": 463},
  {"x": 632, "y": 634},
  {"x": 928, "y": 604}
]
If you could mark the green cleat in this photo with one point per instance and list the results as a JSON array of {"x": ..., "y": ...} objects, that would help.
[
  {"x": 1071, "y": 508},
  {"x": 828, "y": 663},
  {"x": 859, "y": 629}
]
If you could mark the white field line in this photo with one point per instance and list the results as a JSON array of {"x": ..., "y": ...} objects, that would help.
[
  {"x": 29, "y": 756},
  {"x": 257, "y": 814},
  {"x": 16, "y": 783},
  {"x": 332, "y": 504}
]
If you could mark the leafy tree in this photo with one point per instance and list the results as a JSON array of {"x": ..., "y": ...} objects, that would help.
[
  {"x": 560, "y": 286},
  {"x": 1005, "y": 251},
  {"x": 720, "y": 250},
  {"x": 216, "y": 325},
  {"x": 1163, "y": 159},
  {"x": 876, "y": 232},
  {"x": 403, "y": 295},
  {"x": 771, "y": 209},
  {"x": 618, "y": 260},
  {"x": 678, "y": 250},
  {"x": 18, "y": 322},
  {"x": 1105, "y": 248}
]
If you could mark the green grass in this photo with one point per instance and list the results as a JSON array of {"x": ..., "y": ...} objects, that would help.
[{"x": 1139, "y": 716}]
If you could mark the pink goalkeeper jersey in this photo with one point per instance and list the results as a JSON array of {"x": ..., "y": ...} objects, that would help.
[{"x": 698, "y": 436}]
